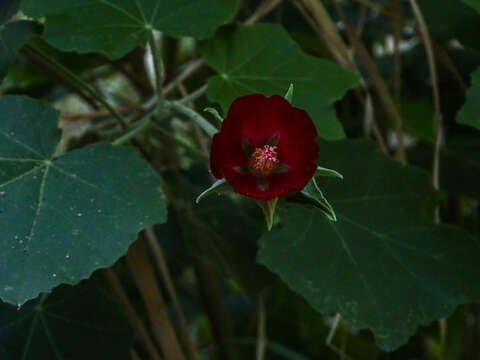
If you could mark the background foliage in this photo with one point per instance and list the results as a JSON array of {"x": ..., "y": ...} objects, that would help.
[{"x": 393, "y": 89}]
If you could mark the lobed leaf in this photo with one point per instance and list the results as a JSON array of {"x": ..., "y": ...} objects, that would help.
[
  {"x": 383, "y": 265},
  {"x": 114, "y": 27},
  {"x": 264, "y": 59},
  {"x": 64, "y": 217},
  {"x": 81, "y": 322}
]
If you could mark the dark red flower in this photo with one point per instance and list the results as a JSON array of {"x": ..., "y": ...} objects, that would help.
[{"x": 266, "y": 148}]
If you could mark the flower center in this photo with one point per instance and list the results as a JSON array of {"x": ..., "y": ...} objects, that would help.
[{"x": 264, "y": 160}]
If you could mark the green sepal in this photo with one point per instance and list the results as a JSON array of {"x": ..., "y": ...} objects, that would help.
[
  {"x": 219, "y": 186},
  {"x": 273, "y": 141},
  {"x": 247, "y": 147},
  {"x": 311, "y": 194},
  {"x": 289, "y": 95},
  {"x": 215, "y": 114},
  {"x": 321, "y": 171},
  {"x": 268, "y": 208}
]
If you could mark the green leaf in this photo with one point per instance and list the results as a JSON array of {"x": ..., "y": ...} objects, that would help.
[
  {"x": 469, "y": 114},
  {"x": 312, "y": 192},
  {"x": 459, "y": 164},
  {"x": 8, "y": 9},
  {"x": 473, "y": 3},
  {"x": 76, "y": 323},
  {"x": 453, "y": 20},
  {"x": 221, "y": 230},
  {"x": 215, "y": 114},
  {"x": 217, "y": 187},
  {"x": 268, "y": 208},
  {"x": 383, "y": 265},
  {"x": 12, "y": 37},
  {"x": 264, "y": 59},
  {"x": 114, "y": 27},
  {"x": 418, "y": 116},
  {"x": 64, "y": 217},
  {"x": 289, "y": 95},
  {"x": 323, "y": 171}
]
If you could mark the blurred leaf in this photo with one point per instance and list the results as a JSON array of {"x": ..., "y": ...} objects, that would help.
[
  {"x": 79, "y": 322},
  {"x": 12, "y": 37},
  {"x": 452, "y": 20},
  {"x": 264, "y": 59},
  {"x": 418, "y": 116},
  {"x": 469, "y": 114},
  {"x": 221, "y": 230},
  {"x": 473, "y": 3},
  {"x": 459, "y": 164},
  {"x": 8, "y": 9},
  {"x": 383, "y": 265},
  {"x": 116, "y": 27},
  {"x": 280, "y": 350},
  {"x": 64, "y": 217}
]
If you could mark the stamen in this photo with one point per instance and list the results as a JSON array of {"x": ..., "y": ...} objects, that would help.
[{"x": 264, "y": 160}]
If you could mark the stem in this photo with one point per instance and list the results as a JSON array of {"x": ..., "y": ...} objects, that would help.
[
  {"x": 396, "y": 7},
  {"x": 321, "y": 22},
  {"x": 193, "y": 96},
  {"x": 163, "y": 267},
  {"x": 377, "y": 80},
  {"x": 158, "y": 66},
  {"x": 261, "y": 329},
  {"x": 262, "y": 10},
  {"x": 151, "y": 294},
  {"x": 326, "y": 30},
  {"x": 211, "y": 292},
  {"x": 40, "y": 62},
  {"x": 193, "y": 115},
  {"x": 448, "y": 63},
  {"x": 145, "y": 123},
  {"x": 80, "y": 83},
  {"x": 131, "y": 314},
  {"x": 438, "y": 125},
  {"x": 198, "y": 132},
  {"x": 180, "y": 141},
  {"x": 436, "y": 97}
]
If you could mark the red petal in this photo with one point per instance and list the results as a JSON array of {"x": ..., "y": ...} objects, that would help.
[
  {"x": 297, "y": 147},
  {"x": 216, "y": 158},
  {"x": 259, "y": 116},
  {"x": 226, "y": 149}
]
